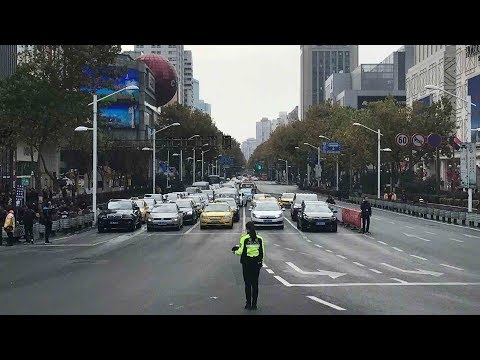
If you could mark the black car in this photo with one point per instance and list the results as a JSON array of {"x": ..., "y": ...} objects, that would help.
[
  {"x": 297, "y": 203},
  {"x": 120, "y": 214},
  {"x": 190, "y": 213},
  {"x": 316, "y": 215}
]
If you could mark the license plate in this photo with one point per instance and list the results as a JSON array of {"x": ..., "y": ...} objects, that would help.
[
  {"x": 320, "y": 222},
  {"x": 162, "y": 222},
  {"x": 214, "y": 222},
  {"x": 267, "y": 221},
  {"x": 113, "y": 222}
]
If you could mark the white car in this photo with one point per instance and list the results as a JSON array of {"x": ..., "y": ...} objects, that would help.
[{"x": 268, "y": 214}]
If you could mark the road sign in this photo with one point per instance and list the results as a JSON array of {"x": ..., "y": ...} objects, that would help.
[
  {"x": 468, "y": 167},
  {"x": 434, "y": 140},
  {"x": 418, "y": 140},
  {"x": 331, "y": 148},
  {"x": 226, "y": 161},
  {"x": 26, "y": 181},
  {"x": 401, "y": 139}
]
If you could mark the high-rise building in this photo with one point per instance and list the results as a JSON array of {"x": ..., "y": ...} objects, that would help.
[
  {"x": 281, "y": 120},
  {"x": 204, "y": 107},
  {"x": 248, "y": 147},
  {"x": 317, "y": 63},
  {"x": 196, "y": 92},
  {"x": 174, "y": 54},
  {"x": 188, "y": 79},
  {"x": 264, "y": 129},
  {"x": 292, "y": 115},
  {"x": 8, "y": 60}
]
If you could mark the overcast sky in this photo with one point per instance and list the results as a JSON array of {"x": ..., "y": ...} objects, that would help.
[{"x": 244, "y": 83}]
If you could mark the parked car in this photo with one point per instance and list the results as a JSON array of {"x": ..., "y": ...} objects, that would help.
[
  {"x": 193, "y": 190},
  {"x": 316, "y": 215},
  {"x": 233, "y": 205},
  {"x": 217, "y": 214},
  {"x": 210, "y": 194},
  {"x": 198, "y": 201},
  {"x": 143, "y": 208},
  {"x": 268, "y": 214},
  {"x": 297, "y": 203},
  {"x": 120, "y": 214},
  {"x": 166, "y": 215},
  {"x": 190, "y": 213}
]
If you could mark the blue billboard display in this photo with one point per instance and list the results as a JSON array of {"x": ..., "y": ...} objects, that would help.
[
  {"x": 474, "y": 92},
  {"x": 121, "y": 110}
]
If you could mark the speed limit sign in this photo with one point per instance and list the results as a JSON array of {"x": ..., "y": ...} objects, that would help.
[{"x": 401, "y": 139}]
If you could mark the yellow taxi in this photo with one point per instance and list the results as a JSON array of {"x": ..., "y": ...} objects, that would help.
[
  {"x": 143, "y": 208},
  {"x": 216, "y": 214},
  {"x": 286, "y": 200}
]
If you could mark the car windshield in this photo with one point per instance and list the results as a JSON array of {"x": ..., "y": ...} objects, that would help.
[
  {"x": 317, "y": 208},
  {"x": 139, "y": 203},
  {"x": 306, "y": 197},
  {"x": 267, "y": 206},
  {"x": 167, "y": 208},
  {"x": 259, "y": 196},
  {"x": 217, "y": 207},
  {"x": 150, "y": 202},
  {"x": 184, "y": 204},
  {"x": 229, "y": 201},
  {"x": 120, "y": 205},
  {"x": 288, "y": 195},
  {"x": 246, "y": 191},
  {"x": 191, "y": 189},
  {"x": 249, "y": 186}
]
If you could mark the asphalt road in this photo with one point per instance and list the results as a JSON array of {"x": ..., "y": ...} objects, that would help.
[{"x": 406, "y": 266}]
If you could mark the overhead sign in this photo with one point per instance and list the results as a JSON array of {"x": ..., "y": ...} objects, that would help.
[
  {"x": 226, "y": 161},
  {"x": 401, "y": 139},
  {"x": 331, "y": 147},
  {"x": 434, "y": 140},
  {"x": 418, "y": 140},
  {"x": 468, "y": 166}
]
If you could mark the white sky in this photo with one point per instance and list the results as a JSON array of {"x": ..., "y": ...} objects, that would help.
[{"x": 244, "y": 83}]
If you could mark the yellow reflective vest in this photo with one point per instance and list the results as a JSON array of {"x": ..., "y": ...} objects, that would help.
[
  {"x": 9, "y": 221},
  {"x": 251, "y": 245}
]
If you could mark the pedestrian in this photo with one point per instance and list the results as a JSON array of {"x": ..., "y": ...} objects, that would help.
[
  {"x": 385, "y": 195},
  {"x": 28, "y": 219},
  {"x": 251, "y": 251},
  {"x": 3, "y": 216},
  {"x": 394, "y": 196},
  {"x": 46, "y": 220},
  {"x": 330, "y": 200},
  {"x": 366, "y": 213},
  {"x": 9, "y": 226}
]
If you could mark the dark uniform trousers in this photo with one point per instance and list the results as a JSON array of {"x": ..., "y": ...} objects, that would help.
[{"x": 251, "y": 272}]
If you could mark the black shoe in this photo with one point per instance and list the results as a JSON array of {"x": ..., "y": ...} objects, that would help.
[
  {"x": 248, "y": 307},
  {"x": 254, "y": 307},
  {"x": 47, "y": 242}
]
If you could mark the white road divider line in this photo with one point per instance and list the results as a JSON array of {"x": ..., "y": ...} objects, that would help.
[
  {"x": 400, "y": 281},
  {"x": 308, "y": 240},
  {"x": 264, "y": 265},
  {"x": 415, "y": 236},
  {"x": 328, "y": 250},
  {"x": 319, "y": 246},
  {"x": 244, "y": 227},
  {"x": 453, "y": 267},
  {"x": 276, "y": 244},
  {"x": 368, "y": 236},
  {"x": 409, "y": 227},
  {"x": 289, "y": 249},
  {"x": 375, "y": 271},
  {"x": 390, "y": 222},
  {"x": 270, "y": 271},
  {"x": 419, "y": 257},
  {"x": 471, "y": 236},
  {"x": 429, "y": 232},
  {"x": 282, "y": 280},
  {"x": 193, "y": 227},
  {"x": 397, "y": 248},
  {"x": 456, "y": 240},
  {"x": 381, "y": 242},
  {"x": 314, "y": 298},
  {"x": 342, "y": 257},
  {"x": 357, "y": 263}
]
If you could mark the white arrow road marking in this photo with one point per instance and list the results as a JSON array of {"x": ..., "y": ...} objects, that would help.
[
  {"x": 331, "y": 274},
  {"x": 314, "y": 298},
  {"x": 264, "y": 265},
  {"x": 415, "y": 236},
  {"x": 456, "y": 240},
  {"x": 453, "y": 267},
  {"x": 400, "y": 281},
  {"x": 418, "y": 271},
  {"x": 270, "y": 271},
  {"x": 471, "y": 236},
  {"x": 419, "y": 257}
]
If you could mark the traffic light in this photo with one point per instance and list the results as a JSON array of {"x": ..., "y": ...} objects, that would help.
[{"x": 259, "y": 167}]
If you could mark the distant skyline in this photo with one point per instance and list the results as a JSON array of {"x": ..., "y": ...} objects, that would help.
[{"x": 244, "y": 83}]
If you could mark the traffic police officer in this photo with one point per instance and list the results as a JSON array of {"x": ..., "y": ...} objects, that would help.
[{"x": 251, "y": 251}]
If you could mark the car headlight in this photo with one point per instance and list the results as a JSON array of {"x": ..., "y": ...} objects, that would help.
[
  {"x": 295, "y": 206},
  {"x": 278, "y": 216},
  {"x": 334, "y": 218},
  {"x": 175, "y": 219},
  {"x": 228, "y": 216},
  {"x": 149, "y": 219},
  {"x": 190, "y": 212}
]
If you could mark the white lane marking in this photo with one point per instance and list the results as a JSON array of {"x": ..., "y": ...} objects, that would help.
[
  {"x": 390, "y": 222},
  {"x": 193, "y": 227},
  {"x": 456, "y": 240},
  {"x": 400, "y": 281},
  {"x": 220, "y": 232},
  {"x": 61, "y": 245},
  {"x": 375, "y": 271},
  {"x": 289, "y": 249},
  {"x": 331, "y": 274},
  {"x": 357, "y": 263},
  {"x": 342, "y": 257},
  {"x": 397, "y": 248},
  {"x": 276, "y": 244},
  {"x": 314, "y": 298},
  {"x": 381, "y": 242},
  {"x": 368, "y": 236},
  {"x": 304, "y": 253},
  {"x": 409, "y": 227},
  {"x": 282, "y": 280},
  {"x": 308, "y": 240},
  {"x": 429, "y": 232},
  {"x": 264, "y": 265},
  {"x": 471, "y": 236},
  {"x": 328, "y": 250},
  {"x": 126, "y": 237},
  {"x": 319, "y": 246},
  {"x": 419, "y": 257},
  {"x": 100, "y": 242},
  {"x": 415, "y": 236},
  {"x": 418, "y": 271},
  {"x": 270, "y": 271},
  {"x": 453, "y": 267},
  {"x": 244, "y": 221}
]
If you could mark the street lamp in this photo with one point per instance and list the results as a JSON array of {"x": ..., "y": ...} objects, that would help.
[
  {"x": 318, "y": 161},
  {"x": 94, "y": 129},
  {"x": 379, "y": 134},
  {"x": 194, "y": 162},
  {"x": 326, "y": 138},
  {"x": 308, "y": 165},
  {"x": 467, "y": 135},
  {"x": 286, "y": 167},
  {"x": 203, "y": 152}
]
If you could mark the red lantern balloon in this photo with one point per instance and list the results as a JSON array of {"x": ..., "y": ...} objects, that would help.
[{"x": 165, "y": 77}]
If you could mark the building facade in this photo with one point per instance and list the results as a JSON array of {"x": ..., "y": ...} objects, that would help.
[
  {"x": 8, "y": 60},
  {"x": 188, "y": 96},
  {"x": 175, "y": 54},
  {"x": 263, "y": 130},
  {"x": 292, "y": 115},
  {"x": 248, "y": 147},
  {"x": 317, "y": 63}
]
